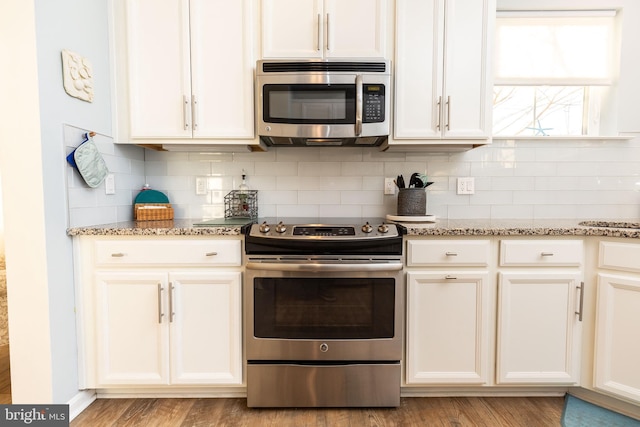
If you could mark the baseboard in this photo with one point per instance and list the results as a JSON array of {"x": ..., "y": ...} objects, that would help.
[
  {"x": 172, "y": 392},
  {"x": 80, "y": 402},
  {"x": 483, "y": 391},
  {"x": 608, "y": 402}
]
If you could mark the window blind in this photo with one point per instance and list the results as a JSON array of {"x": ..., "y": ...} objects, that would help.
[{"x": 555, "y": 48}]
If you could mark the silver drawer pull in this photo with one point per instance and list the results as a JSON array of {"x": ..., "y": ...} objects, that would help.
[
  {"x": 117, "y": 255},
  {"x": 449, "y": 277},
  {"x": 160, "y": 313},
  {"x": 211, "y": 254},
  {"x": 581, "y": 303},
  {"x": 451, "y": 253},
  {"x": 546, "y": 254}
]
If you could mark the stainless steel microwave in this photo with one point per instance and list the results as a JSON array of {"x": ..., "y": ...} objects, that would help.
[{"x": 319, "y": 103}]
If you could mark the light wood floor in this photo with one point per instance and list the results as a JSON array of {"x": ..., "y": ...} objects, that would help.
[
  {"x": 427, "y": 411},
  {"x": 5, "y": 375}
]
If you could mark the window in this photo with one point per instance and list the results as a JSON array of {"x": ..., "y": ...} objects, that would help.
[{"x": 553, "y": 72}]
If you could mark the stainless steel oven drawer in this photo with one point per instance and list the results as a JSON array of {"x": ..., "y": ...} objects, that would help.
[{"x": 334, "y": 385}]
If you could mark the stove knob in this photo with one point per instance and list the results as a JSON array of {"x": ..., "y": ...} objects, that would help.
[
  {"x": 264, "y": 227},
  {"x": 281, "y": 228},
  {"x": 383, "y": 228},
  {"x": 367, "y": 228}
]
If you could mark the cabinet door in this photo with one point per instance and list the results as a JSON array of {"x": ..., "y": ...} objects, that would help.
[
  {"x": 132, "y": 336},
  {"x": 447, "y": 328},
  {"x": 205, "y": 328},
  {"x": 418, "y": 68},
  {"x": 292, "y": 29},
  {"x": 443, "y": 79},
  {"x": 466, "y": 100},
  {"x": 317, "y": 29},
  {"x": 355, "y": 28},
  {"x": 617, "y": 347},
  {"x": 222, "y": 63},
  {"x": 158, "y": 75},
  {"x": 538, "y": 328}
]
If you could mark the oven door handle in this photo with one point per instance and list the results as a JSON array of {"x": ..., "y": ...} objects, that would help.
[{"x": 367, "y": 267}]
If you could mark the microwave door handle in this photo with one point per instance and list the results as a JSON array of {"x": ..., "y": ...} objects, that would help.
[{"x": 358, "y": 130}]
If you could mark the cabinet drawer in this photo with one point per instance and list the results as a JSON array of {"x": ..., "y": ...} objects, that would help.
[
  {"x": 473, "y": 253},
  {"x": 619, "y": 256},
  {"x": 168, "y": 252},
  {"x": 541, "y": 252}
]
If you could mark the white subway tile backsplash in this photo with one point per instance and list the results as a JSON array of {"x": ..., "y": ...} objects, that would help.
[
  {"x": 319, "y": 169},
  {"x": 513, "y": 179},
  {"x": 319, "y": 197}
]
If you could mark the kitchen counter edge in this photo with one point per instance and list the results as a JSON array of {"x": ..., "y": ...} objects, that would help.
[
  {"x": 175, "y": 227},
  {"x": 457, "y": 227}
]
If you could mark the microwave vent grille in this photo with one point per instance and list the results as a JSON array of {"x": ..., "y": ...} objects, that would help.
[{"x": 321, "y": 66}]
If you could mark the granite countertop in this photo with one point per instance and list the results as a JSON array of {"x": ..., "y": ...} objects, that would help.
[
  {"x": 523, "y": 227},
  {"x": 172, "y": 227},
  {"x": 450, "y": 227}
]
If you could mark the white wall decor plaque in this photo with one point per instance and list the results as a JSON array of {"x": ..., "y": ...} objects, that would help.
[{"x": 77, "y": 76}]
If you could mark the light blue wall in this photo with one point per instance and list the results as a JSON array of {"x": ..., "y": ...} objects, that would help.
[{"x": 82, "y": 27}]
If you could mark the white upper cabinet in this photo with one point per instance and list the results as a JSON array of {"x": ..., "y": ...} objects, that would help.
[
  {"x": 324, "y": 29},
  {"x": 184, "y": 71},
  {"x": 442, "y": 71}
]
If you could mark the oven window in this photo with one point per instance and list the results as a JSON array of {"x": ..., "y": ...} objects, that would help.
[
  {"x": 324, "y": 308},
  {"x": 309, "y": 103}
]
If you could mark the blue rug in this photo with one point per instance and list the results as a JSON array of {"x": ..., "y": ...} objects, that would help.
[{"x": 578, "y": 413}]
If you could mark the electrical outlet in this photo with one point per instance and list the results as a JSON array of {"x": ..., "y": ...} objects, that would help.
[
  {"x": 201, "y": 185},
  {"x": 110, "y": 184},
  {"x": 389, "y": 186},
  {"x": 466, "y": 185}
]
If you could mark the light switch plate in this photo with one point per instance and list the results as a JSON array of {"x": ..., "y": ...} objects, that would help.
[
  {"x": 466, "y": 185},
  {"x": 201, "y": 185},
  {"x": 110, "y": 184},
  {"x": 389, "y": 186}
]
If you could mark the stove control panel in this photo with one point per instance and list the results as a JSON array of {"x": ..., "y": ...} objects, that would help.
[{"x": 323, "y": 231}]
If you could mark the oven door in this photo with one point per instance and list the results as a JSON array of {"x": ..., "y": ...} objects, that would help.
[{"x": 331, "y": 314}]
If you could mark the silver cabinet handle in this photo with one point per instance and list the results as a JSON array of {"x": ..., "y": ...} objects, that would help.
[
  {"x": 328, "y": 32},
  {"x": 211, "y": 254},
  {"x": 581, "y": 303},
  {"x": 160, "y": 313},
  {"x": 358, "y": 128},
  {"x": 171, "y": 313},
  {"x": 319, "y": 34},
  {"x": 449, "y": 277},
  {"x": 451, "y": 253},
  {"x": 448, "y": 112},
  {"x": 117, "y": 255},
  {"x": 186, "y": 110},
  {"x": 439, "y": 104},
  {"x": 546, "y": 254},
  {"x": 194, "y": 112}
]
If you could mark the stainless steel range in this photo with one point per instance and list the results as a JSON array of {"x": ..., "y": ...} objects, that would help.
[{"x": 323, "y": 313}]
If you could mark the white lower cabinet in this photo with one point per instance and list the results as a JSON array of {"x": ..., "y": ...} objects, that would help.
[
  {"x": 148, "y": 321},
  {"x": 538, "y": 334},
  {"x": 539, "y": 311},
  {"x": 617, "y": 343},
  {"x": 449, "y": 312},
  {"x": 448, "y": 327},
  {"x": 175, "y": 328}
]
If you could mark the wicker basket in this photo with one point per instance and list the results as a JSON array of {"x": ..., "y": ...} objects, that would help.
[{"x": 152, "y": 214}]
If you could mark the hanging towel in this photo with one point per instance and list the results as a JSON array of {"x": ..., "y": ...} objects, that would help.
[{"x": 89, "y": 162}]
